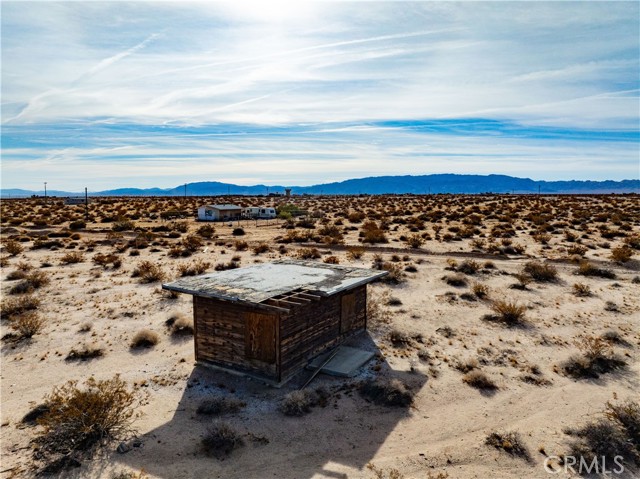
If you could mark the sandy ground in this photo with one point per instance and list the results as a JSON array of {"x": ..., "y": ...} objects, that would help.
[{"x": 441, "y": 435}]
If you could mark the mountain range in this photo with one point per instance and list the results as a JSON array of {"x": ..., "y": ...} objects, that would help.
[{"x": 424, "y": 184}]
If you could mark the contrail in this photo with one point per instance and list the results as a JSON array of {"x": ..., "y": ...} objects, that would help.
[{"x": 115, "y": 58}]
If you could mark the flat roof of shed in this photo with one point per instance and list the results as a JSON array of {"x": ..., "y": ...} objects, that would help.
[
  {"x": 224, "y": 207},
  {"x": 257, "y": 283}
]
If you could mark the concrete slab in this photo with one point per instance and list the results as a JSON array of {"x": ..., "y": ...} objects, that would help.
[{"x": 345, "y": 363}]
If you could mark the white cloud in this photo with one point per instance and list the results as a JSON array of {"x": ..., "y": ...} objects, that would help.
[{"x": 344, "y": 64}]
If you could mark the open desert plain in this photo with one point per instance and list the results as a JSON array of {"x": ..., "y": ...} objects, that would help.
[{"x": 506, "y": 339}]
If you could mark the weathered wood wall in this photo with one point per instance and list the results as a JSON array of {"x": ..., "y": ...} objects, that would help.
[
  {"x": 236, "y": 336},
  {"x": 309, "y": 329},
  {"x": 274, "y": 345}
]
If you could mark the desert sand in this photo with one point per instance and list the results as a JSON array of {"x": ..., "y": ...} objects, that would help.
[{"x": 425, "y": 331}]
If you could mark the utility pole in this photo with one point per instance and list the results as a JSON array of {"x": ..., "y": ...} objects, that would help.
[
  {"x": 185, "y": 191},
  {"x": 538, "y": 190},
  {"x": 45, "y": 191},
  {"x": 86, "y": 204}
]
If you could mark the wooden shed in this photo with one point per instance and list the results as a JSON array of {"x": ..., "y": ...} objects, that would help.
[{"x": 268, "y": 320}]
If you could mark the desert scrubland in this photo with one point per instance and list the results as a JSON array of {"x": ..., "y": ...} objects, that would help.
[{"x": 507, "y": 337}]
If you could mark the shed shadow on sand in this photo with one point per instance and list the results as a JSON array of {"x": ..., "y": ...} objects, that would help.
[{"x": 347, "y": 432}]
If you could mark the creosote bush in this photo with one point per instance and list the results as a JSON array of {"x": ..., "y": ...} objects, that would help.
[
  {"x": 12, "y": 247},
  {"x": 72, "y": 257},
  {"x": 182, "y": 326},
  {"x": 32, "y": 281},
  {"x": 479, "y": 380},
  {"x": 298, "y": 403},
  {"x": 85, "y": 352},
  {"x": 621, "y": 254},
  {"x": 541, "y": 272},
  {"x": 145, "y": 339},
  {"x": 82, "y": 418},
  {"x": 220, "y": 440},
  {"x": 148, "y": 272},
  {"x": 581, "y": 290},
  {"x": 386, "y": 392},
  {"x": 597, "y": 357},
  {"x": 615, "y": 434},
  {"x": 16, "y": 306},
  {"x": 509, "y": 442},
  {"x": 27, "y": 324},
  {"x": 509, "y": 313},
  {"x": 588, "y": 269}
]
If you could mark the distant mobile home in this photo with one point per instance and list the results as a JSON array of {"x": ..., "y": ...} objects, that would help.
[
  {"x": 219, "y": 212},
  {"x": 268, "y": 320},
  {"x": 262, "y": 212}
]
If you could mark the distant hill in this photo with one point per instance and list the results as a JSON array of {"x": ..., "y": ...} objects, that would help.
[{"x": 441, "y": 183}]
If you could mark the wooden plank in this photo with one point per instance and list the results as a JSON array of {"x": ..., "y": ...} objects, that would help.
[
  {"x": 347, "y": 312},
  {"x": 260, "y": 337},
  {"x": 313, "y": 297}
]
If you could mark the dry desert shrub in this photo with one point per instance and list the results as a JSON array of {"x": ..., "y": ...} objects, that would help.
[
  {"x": 415, "y": 241},
  {"x": 480, "y": 290},
  {"x": 145, "y": 339},
  {"x": 191, "y": 243},
  {"x": 85, "y": 352},
  {"x": 372, "y": 233},
  {"x": 261, "y": 248},
  {"x": 581, "y": 290},
  {"x": 386, "y": 392},
  {"x": 621, "y": 254},
  {"x": 27, "y": 324},
  {"x": 123, "y": 224},
  {"x": 456, "y": 280},
  {"x": 16, "y": 275},
  {"x": 238, "y": 232},
  {"x": 16, "y": 306},
  {"x": 479, "y": 380},
  {"x": 12, "y": 247},
  {"x": 540, "y": 271},
  {"x": 597, "y": 357},
  {"x": 225, "y": 266},
  {"x": 298, "y": 403},
  {"x": 32, "y": 281},
  {"x": 509, "y": 442},
  {"x": 206, "y": 231},
  {"x": 148, "y": 272},
  {"x": 181, "y": 326},
  {"x": 240, "y": 245},
  {"x": 509, "y": 313},
  {"x": 218, "y": 405},
  {"x": 72, "y": 257},
  {"x": 615, "y": 434},
  {"x": 105, "y": 260},
  {"x": 588, "y": 269},
  {"x": 83, "y": 418},
  {"x": 470, "y": 267},
  {"x": 377, "y": 312},
  {"x": 355, "y": 252},
  {"x": 331, "y": 260},
  {"x": 308, "y": 253},
  {"x": 221, "y": 440},
  {"x": 392, "y": 473},
  {"x": 195, "y": 268}
]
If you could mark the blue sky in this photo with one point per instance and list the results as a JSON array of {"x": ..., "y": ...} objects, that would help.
[{"x": 115, "y": 94}]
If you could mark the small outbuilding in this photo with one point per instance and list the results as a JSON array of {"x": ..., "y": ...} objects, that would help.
[
  {"x": 261, "y": 212},
  {"x": 268, "y": 320},
  {"x": 219, "y": 212}
]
